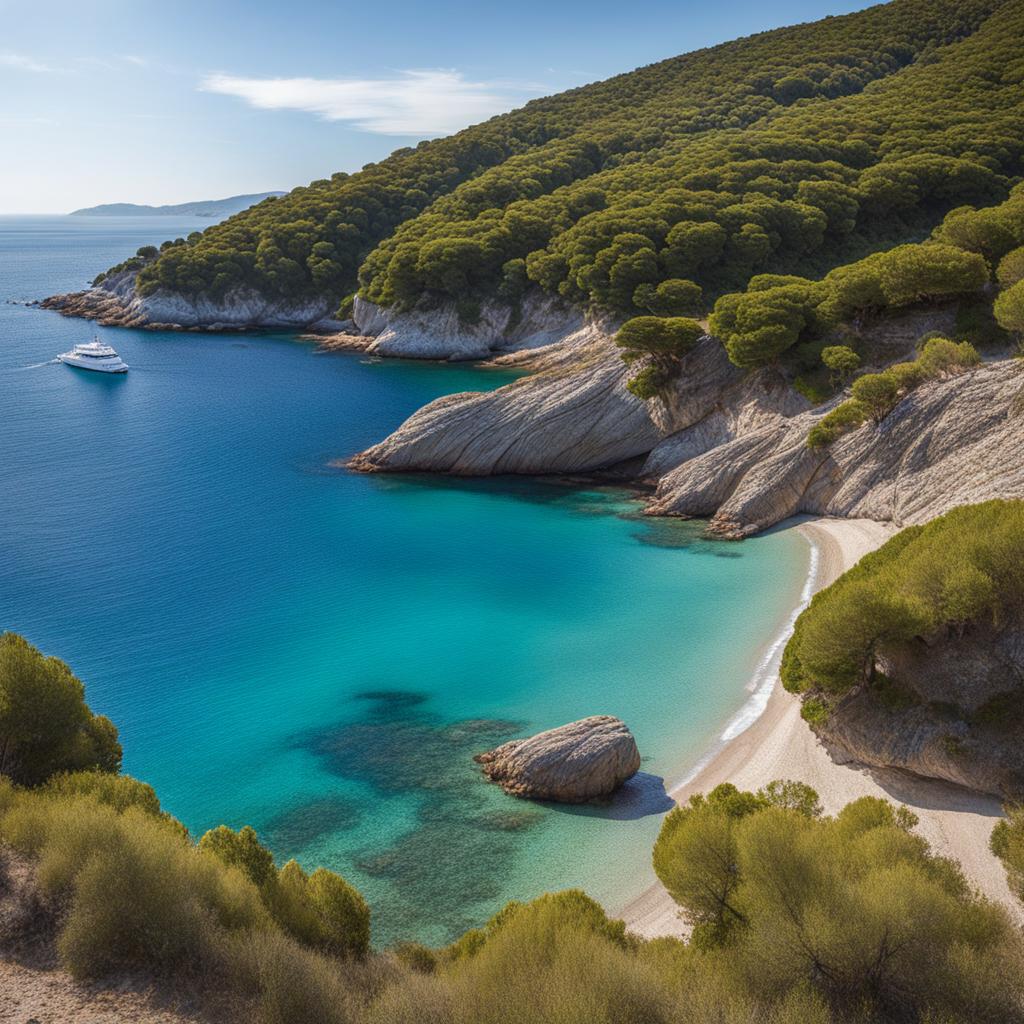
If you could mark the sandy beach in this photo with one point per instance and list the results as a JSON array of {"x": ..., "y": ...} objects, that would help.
[{"x": 779, "y": 745}]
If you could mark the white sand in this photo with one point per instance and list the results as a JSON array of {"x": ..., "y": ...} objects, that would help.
[{"x": 779, "y": 745}]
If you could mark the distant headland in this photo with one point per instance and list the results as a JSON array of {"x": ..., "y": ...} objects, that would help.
[{"x": 202, "y": 208}]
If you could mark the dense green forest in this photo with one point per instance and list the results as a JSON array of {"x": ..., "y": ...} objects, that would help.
[
  {"x": 797, "y": 917},
  {"x": 792, "y": 151}
]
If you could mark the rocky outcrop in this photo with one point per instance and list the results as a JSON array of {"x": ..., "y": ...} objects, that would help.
[
  {"x": 575, "y": 763},
  {"x": 441, "y": 333},
  {"x": 574, "y": 415},
  {"x": 952, "y": 708},
  {"x": 115, "y": 302},
  {"x": 950, "y": 442}
]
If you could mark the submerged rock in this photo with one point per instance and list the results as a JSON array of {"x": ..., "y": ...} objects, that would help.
[{"x": 575, "y": 763}]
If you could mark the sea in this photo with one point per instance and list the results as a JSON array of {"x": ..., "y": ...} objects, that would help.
[{"x": 318, "y": 653}]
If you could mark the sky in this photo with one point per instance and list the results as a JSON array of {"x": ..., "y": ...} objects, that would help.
[{"x": 167, "y": 102}]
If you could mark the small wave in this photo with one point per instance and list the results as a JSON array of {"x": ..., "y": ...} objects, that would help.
[
  {"x": 33, "y": 366},
  {"x": 763, "y": 680}
]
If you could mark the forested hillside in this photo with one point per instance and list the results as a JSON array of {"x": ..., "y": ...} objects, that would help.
[{"x": 790, "y": 151}]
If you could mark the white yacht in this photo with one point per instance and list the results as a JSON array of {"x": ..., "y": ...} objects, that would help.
[{"x": 94, "y": 355}]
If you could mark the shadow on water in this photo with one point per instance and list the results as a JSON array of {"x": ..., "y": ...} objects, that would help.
[
  {"x": 434, "y": 878},
  {"x": 574, "y": 495},
  {"x": 640, "y": 797}
]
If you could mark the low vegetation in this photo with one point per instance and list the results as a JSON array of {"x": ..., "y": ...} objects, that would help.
[
  {"x": 965, "y": 567},
  {"x": 875, "y": 394}
]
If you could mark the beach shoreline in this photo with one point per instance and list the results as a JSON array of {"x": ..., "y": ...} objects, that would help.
[{"x": 777, "y": 744}]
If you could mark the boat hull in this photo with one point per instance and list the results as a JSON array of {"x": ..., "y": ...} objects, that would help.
[{"x": 83, "y": 364}]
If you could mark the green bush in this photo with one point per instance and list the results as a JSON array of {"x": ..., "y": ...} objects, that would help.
[
  {"x": 1011, "y": 268},
  {"x": 940, "y": 355},
  {"x": 117, "y": 791},
  {"x": 841, "y": 361},
  {"x": 964, "y": 567},
  {"x": 815, "y": 711},
  {"x": 841, "y": 420},
  {"x": 876, "y": 392},
  {"x": 854, "y": 907},
  {"x": 321, "y": 910},
  {"x": 1009, "y": 309},
  {"x": 45, "y": 725},
  {"x": 661, "y": 342},
  {"x": 1007, "y": 843},
  {"x": 139, "y": 894},
  {"x": 242, "y": 850}
]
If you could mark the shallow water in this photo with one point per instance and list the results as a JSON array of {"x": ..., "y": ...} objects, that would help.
[{"x": 320, "y": 653}]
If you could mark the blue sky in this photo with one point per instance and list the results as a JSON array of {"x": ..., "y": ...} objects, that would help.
[{"x": 167, "y": 102}]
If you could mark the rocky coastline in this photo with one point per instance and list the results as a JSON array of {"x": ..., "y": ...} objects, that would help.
[{"x": 721, "y": 444}]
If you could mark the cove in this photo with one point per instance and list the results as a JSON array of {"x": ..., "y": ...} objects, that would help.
[{"x": 320, "y": 654}]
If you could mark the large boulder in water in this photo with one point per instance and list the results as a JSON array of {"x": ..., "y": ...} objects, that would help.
[{"x": 575, "y": 763}]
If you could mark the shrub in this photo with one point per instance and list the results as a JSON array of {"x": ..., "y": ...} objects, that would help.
[
  {"x": 662, "y": 341},
  {"x": 648, "y": 382},
  {"x": 290, "y": 984},
  {"x": 1011, "y": 268},
  {"x": 45, "y": 724},
  {"x": 876, "y": 392},
  {"x": 242, "y": 850},
  {"x": 940, "y": 355},
  {"x": 841, "y": 420},
  {"x": 139, "y": 893},
  {"x": 320, "y": 910},
  {"x": 841, "y": 361},
  {"x": 117, "y": 791},
  {"x": 815, "y": 711},
  {"x": 1009, "y": 309},
  {"x": 1007, "y": 843},
  {"x": 854, "y": 907}
]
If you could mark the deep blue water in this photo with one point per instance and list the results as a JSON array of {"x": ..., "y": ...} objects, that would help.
[{"x": 320, "y": 653}]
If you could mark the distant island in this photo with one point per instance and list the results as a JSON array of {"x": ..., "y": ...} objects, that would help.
[{"x": 202, "y": 208}]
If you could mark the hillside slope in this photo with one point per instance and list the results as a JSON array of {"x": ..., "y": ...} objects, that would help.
[{"x": 792, "y": 150}]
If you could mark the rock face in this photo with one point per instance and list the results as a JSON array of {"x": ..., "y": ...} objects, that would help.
[
  {"x": 574, "y": 414},
  {"x": 575, "y": 763},
  {"x": 441, "y": 334},
  {"x": 958, "y": 713},
  {"x": 950, "y": 442},
  {"x": 438, "y": 333},
  {"x": 114, "y": 302}
]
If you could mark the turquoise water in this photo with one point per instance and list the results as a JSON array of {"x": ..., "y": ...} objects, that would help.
[{"x": 320, "y": 653}]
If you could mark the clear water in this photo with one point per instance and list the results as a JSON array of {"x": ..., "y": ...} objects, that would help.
[{"x": 320, "y": 653}]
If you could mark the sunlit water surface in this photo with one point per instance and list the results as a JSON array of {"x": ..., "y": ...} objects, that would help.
[{"x": 319, "y": 653}]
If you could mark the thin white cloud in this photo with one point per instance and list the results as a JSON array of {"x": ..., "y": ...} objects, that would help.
[
  {"x": 131, "y": 58},
  {"x": 21, "y": 62},
  {"x": 428, "y": 102}
]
